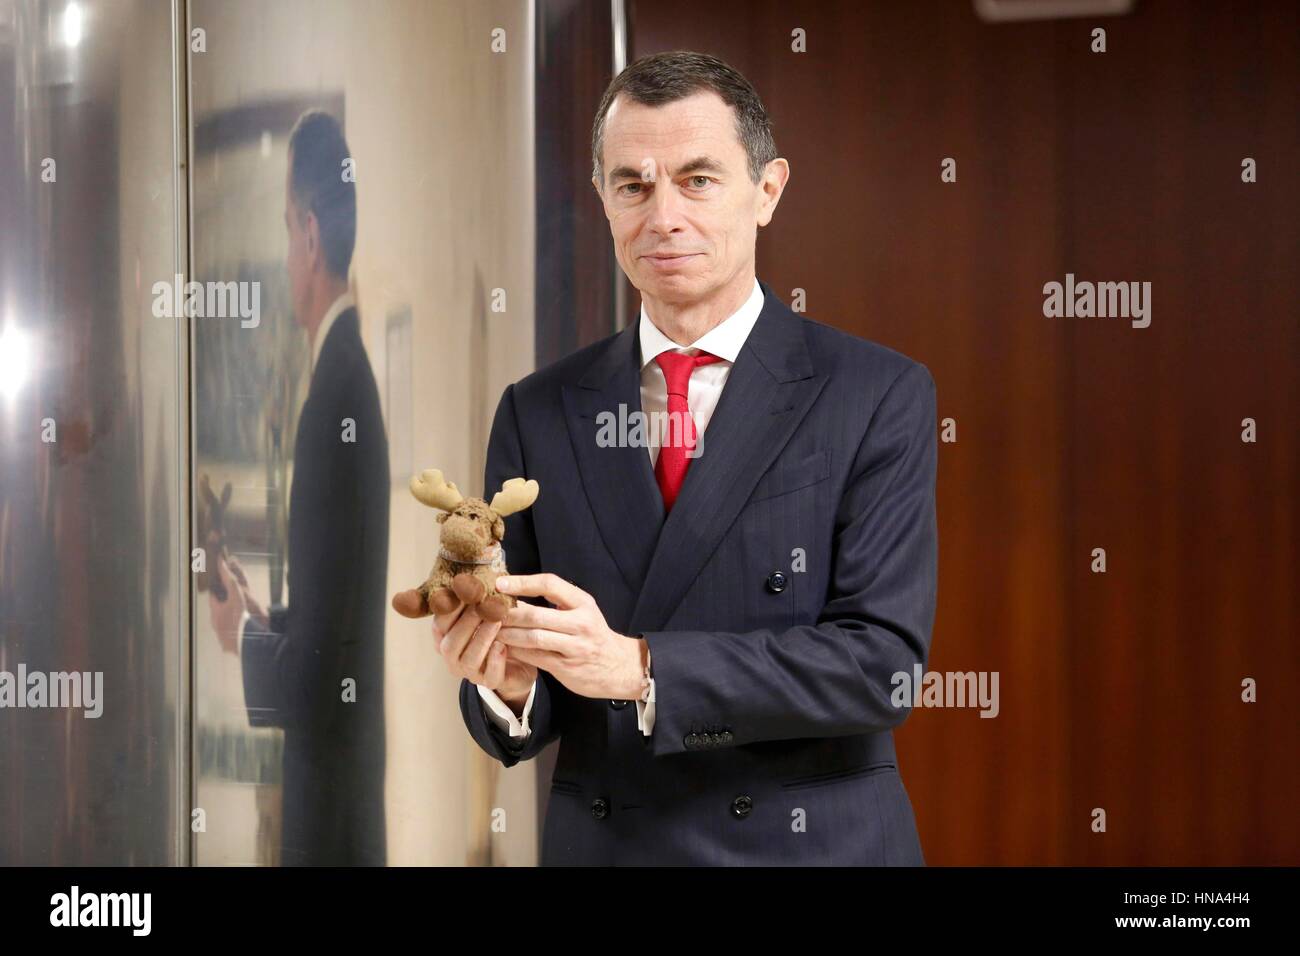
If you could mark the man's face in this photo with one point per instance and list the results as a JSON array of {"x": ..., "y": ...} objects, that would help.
[
  {"x": 682, "y": 209},
  {"x": 298, "y": 261}
]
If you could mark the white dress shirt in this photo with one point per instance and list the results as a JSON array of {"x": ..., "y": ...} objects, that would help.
[
  {"x": 337, "y": 308},
  {"x": 724, "y": 340}
]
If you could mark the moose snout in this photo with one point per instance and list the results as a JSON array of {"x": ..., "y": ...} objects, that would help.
[{"x": 466, "y": 536}]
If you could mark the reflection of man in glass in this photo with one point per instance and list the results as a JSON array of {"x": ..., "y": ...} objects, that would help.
[{"x": 316, "y": 668}]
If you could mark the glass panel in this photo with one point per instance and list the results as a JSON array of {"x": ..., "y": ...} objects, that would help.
[
  {"x": 330, "y": 732},
  {"x": 93, "y": 672}
]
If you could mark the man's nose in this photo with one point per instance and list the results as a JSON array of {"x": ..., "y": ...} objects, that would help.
[{"x": 665, "y": 208}]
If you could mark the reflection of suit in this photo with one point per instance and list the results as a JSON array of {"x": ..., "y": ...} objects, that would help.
[
  {"x": 333, "y": 628},
  {"x": 772, "y": 738}
]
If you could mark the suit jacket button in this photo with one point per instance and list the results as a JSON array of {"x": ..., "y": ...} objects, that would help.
[
  {"x": 776, "y": 582},
  {"x": 618, "y": 704},
  {"x": 726, "y": 736},
  {"x": 691, "y": 741},
  {"x": 741, "y": 806},
  {"x": 599, "y": 808}
]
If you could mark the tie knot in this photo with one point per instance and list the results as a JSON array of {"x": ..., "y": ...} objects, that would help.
[{"x": 678, "y": 367}]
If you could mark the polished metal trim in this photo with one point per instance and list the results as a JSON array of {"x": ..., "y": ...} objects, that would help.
[
  {"x": 618, "y": 24},
  {"x": 1009, "y": 11},
  {"x": 182, "y": 157}
]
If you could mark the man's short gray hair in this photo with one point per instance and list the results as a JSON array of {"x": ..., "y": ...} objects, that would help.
[
  {"x": 666, "y": 77},
  {"x": 318, "y": 150}
]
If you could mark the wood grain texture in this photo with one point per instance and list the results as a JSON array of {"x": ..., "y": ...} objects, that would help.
[{"x": 1118, "y": 690}]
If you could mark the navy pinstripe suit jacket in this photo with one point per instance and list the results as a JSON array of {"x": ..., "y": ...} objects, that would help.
[{"x": 772, "y": 740}]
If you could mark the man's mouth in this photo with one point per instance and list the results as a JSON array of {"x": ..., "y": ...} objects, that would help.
[{"x": 665, "y": 260}]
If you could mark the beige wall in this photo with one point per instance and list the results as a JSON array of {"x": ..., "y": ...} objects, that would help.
[{"x": 441, "y": 131}]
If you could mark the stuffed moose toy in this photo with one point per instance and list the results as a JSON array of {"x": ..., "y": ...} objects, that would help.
[
  {"x": 212, "y": 532},
  {"x": 471, "y": 558}
]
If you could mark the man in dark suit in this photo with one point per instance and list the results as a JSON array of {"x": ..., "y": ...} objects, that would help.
[
  {"x": 754, "y": 583},
  {"x": 317, "y": 668}
]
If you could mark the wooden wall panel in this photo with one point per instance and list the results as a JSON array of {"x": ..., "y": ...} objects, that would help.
[
  {"x": 1119, "y": 690},
  {"x": 575, "y": 261},
  {"x": 1199, "y": 527}
]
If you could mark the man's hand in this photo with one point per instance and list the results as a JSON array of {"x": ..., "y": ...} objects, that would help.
[
  {"x": 253, "y": 605},
  {"x": 571, "y": 640},
  {"x": 469, "y": 648},
  {"x": 228, "y": 614}
]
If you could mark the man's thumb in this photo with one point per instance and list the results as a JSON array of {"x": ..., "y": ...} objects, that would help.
[{"x": 224, "y": 573}]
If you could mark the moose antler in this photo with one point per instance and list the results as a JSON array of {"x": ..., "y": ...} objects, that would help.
[
  {"x": 430, "y": 488},
  {"x": 515, "y": 495}
]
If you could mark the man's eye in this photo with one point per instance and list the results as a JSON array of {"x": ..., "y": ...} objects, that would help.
[
  {"x": 630, "y": 186},
  {"x": 700, "y": 181}
]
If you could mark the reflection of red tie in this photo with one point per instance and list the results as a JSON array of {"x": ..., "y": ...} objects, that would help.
[{"x": 678, "y": 435}]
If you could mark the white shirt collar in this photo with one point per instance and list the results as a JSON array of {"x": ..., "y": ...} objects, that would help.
[
  {"x": 723, "y": 340},
  {"x": 339, "y": 306}
]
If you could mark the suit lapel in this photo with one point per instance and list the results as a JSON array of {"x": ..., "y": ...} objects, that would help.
[
  {"x": 768, "y": 393},
  {"x": 619, "y": 480}
]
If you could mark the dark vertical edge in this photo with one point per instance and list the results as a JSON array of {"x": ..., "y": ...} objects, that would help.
[
  {"x": 182, "y": 164},
  {"x": 575, "y": 262}
]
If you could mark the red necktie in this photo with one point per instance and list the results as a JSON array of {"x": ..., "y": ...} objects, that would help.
[{"x": 679, "y": 434}]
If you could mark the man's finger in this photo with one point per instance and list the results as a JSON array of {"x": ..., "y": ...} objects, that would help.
[
  {"x": 534, "y": 638},
  {"x": 224, "y": 573},
  {"x": 543, "y": 659},
  {"x": 494, "y": 668},
  {"x": 476, "y": 651},
  {"x": 550, "y": 586},
  {"x": 442, "y": 623},
  {"x": 546, "y": 618},
  {"x": 453, "y": 644}
]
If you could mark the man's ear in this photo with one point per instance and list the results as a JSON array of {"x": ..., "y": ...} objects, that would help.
[
  {"x": 595, "y": 184},
  {"x": 312, "y": 229},
  {"x": 775, "y": 176}
]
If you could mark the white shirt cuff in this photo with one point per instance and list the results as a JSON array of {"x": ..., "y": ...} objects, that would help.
[
  {"x": 500, "y": 713},
  {"x": 239, "y": 632},
  {"x": 645, "y": 712}
]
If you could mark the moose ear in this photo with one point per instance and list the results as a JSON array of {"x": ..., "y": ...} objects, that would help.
[
  {"x": 205, "y": 487},
  {"x": 499, "y": 528},
  {"x": 515, "y": 495},
  {"x": 443, "y": 516}
]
